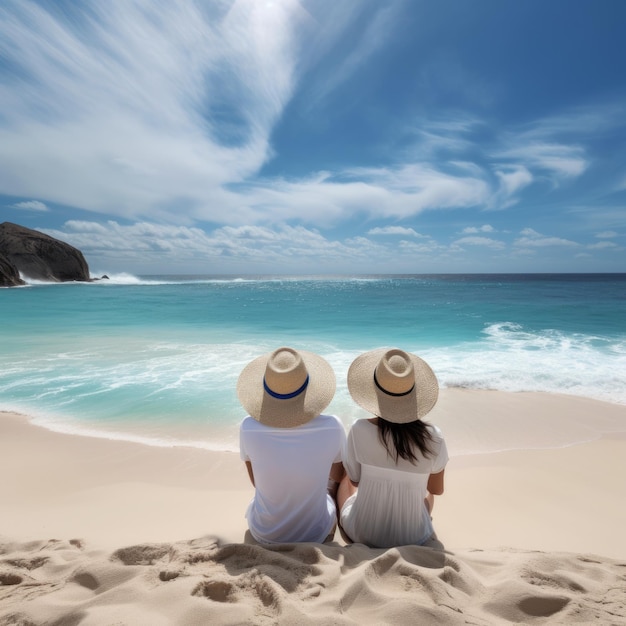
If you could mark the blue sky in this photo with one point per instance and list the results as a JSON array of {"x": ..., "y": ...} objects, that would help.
[{"x": 336, "y": 136}]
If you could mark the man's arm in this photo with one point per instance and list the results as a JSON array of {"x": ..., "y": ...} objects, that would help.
[
  {"x": 250, "y": 472},
  {"x": 337, "y": 471}
]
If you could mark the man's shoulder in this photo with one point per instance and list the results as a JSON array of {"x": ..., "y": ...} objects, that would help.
[
  {"x": 326, "y": 421},
  {"x": 249, "y": 423},
  {"x": 322, "y": 421}
]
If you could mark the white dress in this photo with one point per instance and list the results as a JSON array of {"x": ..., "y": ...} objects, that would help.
[{"x": 388, "y": 508}]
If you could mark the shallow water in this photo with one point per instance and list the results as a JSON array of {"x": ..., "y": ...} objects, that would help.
[{"x": 156, "y": 359}]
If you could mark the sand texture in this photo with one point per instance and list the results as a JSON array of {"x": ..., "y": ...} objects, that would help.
[
  {"x": 99, "y": 532},
  {"x": 205, "y": 582}
]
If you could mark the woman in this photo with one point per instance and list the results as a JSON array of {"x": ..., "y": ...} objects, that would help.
[{"x": 394, "y": 461}]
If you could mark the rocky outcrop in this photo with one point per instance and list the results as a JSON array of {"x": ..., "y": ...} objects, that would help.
[
  {"x": 9, "y": 276},
  {"x": 36, "y": 255}
]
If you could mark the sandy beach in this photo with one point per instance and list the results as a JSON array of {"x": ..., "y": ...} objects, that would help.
[{"x": 94, "y": 531}]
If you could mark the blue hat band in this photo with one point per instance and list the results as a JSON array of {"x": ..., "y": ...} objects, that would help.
[{"x": 285, "y": 396}]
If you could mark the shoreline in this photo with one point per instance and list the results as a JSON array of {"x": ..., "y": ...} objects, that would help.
[
  {"x": 106, "y": 531},
  {"x": 460, "y": 412}
]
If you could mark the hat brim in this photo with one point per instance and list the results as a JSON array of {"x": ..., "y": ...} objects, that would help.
[
  {"x": 286, "y": 413},
  {"x": 400, "y": 410}
]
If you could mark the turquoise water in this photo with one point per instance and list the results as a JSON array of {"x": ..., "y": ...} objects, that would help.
[{"x": 156, "y": 359}]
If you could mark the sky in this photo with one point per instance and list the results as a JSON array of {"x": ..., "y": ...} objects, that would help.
[{"x": 318, "y": 136}]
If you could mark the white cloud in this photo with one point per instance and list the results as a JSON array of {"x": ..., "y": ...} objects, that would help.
[
  {"x": 603, "y": 245},
  {"x": 529, "y": 232},
  {"x": 155, "y": 248},
  {"x": 414, "y": 248},
  {"x": 511, "y": 181},
  {"x": 149, "y": 248},
  {"x": 31, "y": 205},
  {"x": 563, "y": 161},
  {"x": 551, "y": 146},
  {"x": 149, "y": 106},
  {"x": 485, "y": 228},
  {"x": 596, "y": 120},
  {"x": 451, "y": 136},
  {"x": 607, "y": 234},
  {"x": 160, "y": 111},
  {"x": 532, "y": 239},
  {"x": 394, "y": 230},
  {"x": 412, "y": 188},
  {"x": 333, "y": 21},
  {"x": 485, "y": 242}
]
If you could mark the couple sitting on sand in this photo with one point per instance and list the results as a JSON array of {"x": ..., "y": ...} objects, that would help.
[{"x": 394, "y": 462}]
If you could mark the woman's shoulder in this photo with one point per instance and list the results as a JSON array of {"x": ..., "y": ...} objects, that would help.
[
  {"x": 363, "y": 431},
  {"x": 438, "y": 441},
  {"x": 435, "y": 431},
  {"x": 363, "y": 425}
]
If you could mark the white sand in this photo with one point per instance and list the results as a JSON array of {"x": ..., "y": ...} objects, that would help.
[{"x": 106, "y": 532}]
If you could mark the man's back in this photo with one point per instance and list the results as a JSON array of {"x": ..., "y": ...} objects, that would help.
[{"x": 291, "y": 468}]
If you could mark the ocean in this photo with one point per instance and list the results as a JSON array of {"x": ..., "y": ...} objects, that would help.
[{"x": 155, "y": 359}]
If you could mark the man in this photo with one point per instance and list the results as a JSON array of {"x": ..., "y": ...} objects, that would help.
[{"x": 290, "y": 448}]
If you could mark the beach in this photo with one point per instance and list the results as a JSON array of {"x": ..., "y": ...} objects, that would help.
[{"x": 98, "y": 531}]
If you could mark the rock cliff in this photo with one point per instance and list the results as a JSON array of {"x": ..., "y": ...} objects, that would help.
[
  {"x": 9, "y": 276},
  {"x": 39, "y": 256}
]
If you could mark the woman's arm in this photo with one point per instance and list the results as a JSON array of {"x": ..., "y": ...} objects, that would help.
[{"x": 435, "y": 483}]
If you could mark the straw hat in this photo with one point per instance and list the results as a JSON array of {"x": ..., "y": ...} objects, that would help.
[
  {"x": 286, "y": 388},
  {"x": 393, "y": 384}
]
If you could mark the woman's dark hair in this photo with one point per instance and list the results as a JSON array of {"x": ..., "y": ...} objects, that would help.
[{"x": 402, "y": 440}]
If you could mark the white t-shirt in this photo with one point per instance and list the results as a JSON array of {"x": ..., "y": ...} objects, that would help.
[
  {"x": 291, "y": 468},
  {"x": 388, "y": 508}
]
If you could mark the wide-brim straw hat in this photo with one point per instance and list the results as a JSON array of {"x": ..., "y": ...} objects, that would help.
[
  {"x": 398, "y": 386},
  {"x": 286, "y": 387}
]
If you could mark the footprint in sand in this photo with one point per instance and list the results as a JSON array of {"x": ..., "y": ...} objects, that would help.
[
  {"x": 542, "y": 606},
  {"x": 146, "y": 554},
  {"x": 216, "y": 590},
  {"x": 9, "y": 578}
]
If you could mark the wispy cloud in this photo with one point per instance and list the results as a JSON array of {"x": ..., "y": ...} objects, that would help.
[
  {"x": 416, "y": 187},
  {"x": 485, "y": 228},
  {"x": 31, "y": 205},
  {"x": 511, "y": 181},
  {"x": 555, "y": 146},
  {"x": 603, "y": 245},
  {"x": 166, "y": 114},
  {"x": 395, "y": 230},
  {"x": 485, "y": 242},
  {"x": 137, "y": 98},
  {"x": 161, "y": 113},
  {"x": 334, "y": 22},
  {"x": 532, "y": 239},
  {"x": 562, "y": 161}
]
